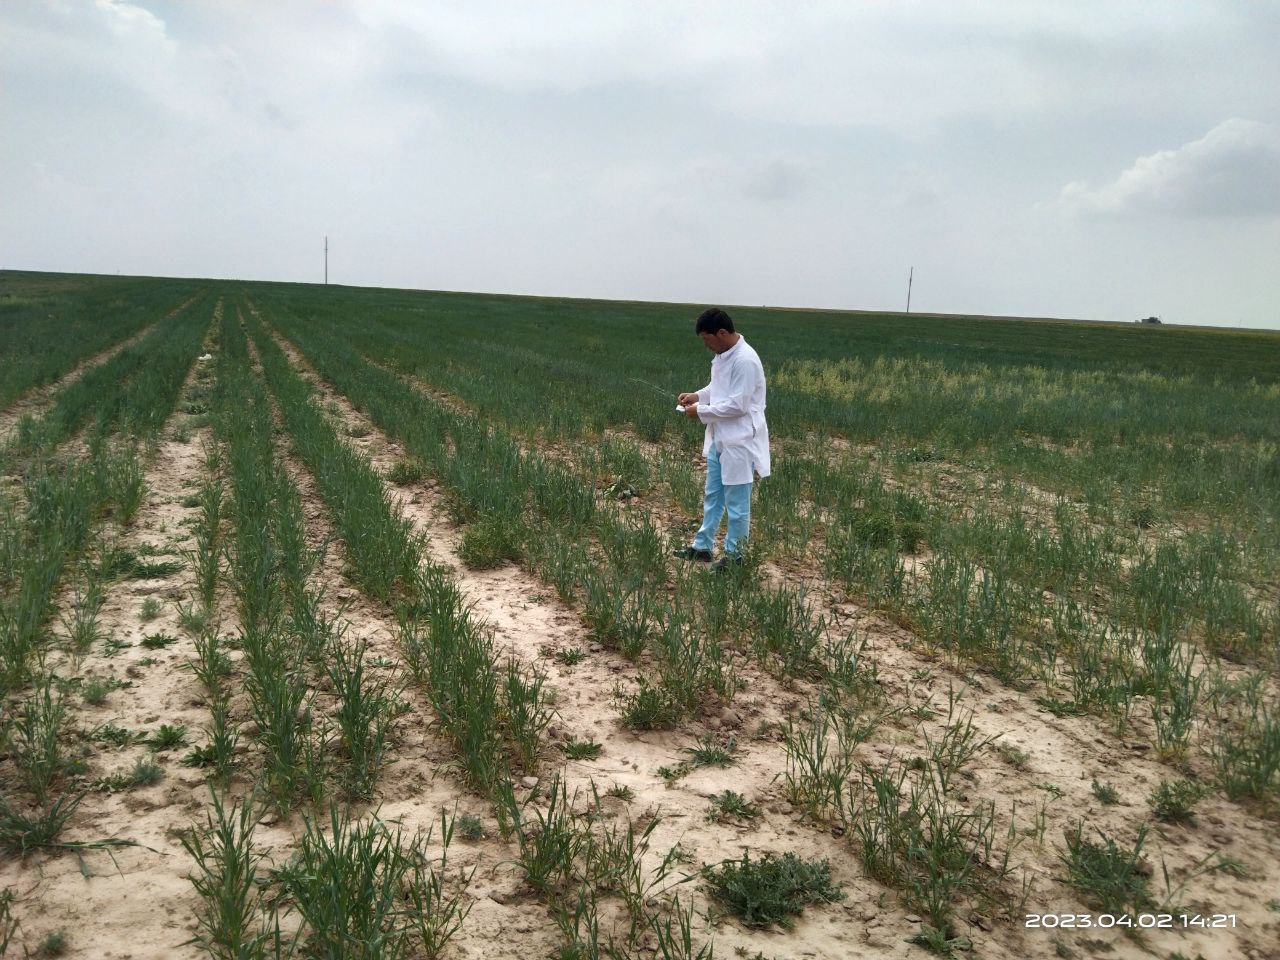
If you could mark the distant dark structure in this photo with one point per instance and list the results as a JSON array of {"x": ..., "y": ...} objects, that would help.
[{"x": 1149, "y": 320}]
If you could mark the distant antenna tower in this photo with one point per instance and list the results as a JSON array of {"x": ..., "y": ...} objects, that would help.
[
  {"x": 326, "y": 261},
  {"x": 910, "y": 276}
]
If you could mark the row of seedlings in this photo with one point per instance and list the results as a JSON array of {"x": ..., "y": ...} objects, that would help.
[
  {"x": 284, "y": 627},
  {"x": 355, "y": 887},
  {"x": 1227, "y": 613},
  {"x": 62, "y": 514},
  {"x": 634, "y": 556},
  {"x": 570, "y": 855},
  {"x": 910, "y": 829},
  {"x": 1115, "y": 445},
  {"x": 495, "y": 710},
  {"x": 865, "y": 518},
  {"x": 781, "y": 626},
  {"x": 115, "y": 395},
  {"x": 1020, "y": 601},
  {"x": 981, "y": 598},
  {"x": 1050, "y": 563},
  {"x": 48, "y": 515},
  {"x": 49, "y": 334},
  {"x": 517, "y": 504}
]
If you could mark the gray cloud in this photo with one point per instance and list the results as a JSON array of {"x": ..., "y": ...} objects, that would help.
[
  {"x": 1232, "y": 171},
  {"x": 714, "y": 151},
  {"x": 779, "y": 179}
]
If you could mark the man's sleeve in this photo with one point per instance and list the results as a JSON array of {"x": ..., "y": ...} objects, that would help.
[
  {"x": 736, "y": 399},
  {"x": 704, "y": 395}
]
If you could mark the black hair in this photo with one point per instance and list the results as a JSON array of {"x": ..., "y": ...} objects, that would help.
[{"x": 713, "y": 320}]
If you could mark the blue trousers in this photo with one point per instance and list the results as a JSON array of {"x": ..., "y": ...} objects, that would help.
[{"x": 719, "y": 498}]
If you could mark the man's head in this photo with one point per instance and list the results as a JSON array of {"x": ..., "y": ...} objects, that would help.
[{"x": 715, "y": 328}]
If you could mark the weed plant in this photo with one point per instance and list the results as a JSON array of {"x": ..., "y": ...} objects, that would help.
[
  {"x": 145, "y": 772},
  {"x": 1111, "y": 877},
  {"x": 1107, "y": 794},
  {"x": 168, "y": 737},
  {"x": 771, "y": 889},
  {"x": 731, "y": 805},
  {"x": 1174, "y": 801}
]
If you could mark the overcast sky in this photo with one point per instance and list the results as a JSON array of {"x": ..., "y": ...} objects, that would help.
[{"x": 1105, "y": 160}]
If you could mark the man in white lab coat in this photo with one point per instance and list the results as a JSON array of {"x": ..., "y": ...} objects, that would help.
[{"x": 736, "y": 444}]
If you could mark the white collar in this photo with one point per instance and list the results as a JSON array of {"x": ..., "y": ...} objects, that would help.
[{"x": 725, "y": 355}]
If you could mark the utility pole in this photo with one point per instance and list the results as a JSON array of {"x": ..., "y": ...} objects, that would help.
[
  {"x": 326, "y": 261},
  {"x": 910, "y": 276}
]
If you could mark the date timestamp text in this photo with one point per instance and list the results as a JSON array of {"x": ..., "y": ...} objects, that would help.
[{"x": 1135, "y": 921}]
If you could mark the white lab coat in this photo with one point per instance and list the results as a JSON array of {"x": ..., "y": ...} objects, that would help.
[{"x": 732, "y": 407}]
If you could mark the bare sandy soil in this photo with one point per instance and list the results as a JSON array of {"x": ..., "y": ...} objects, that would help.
[{"x": 141, "y": 905}]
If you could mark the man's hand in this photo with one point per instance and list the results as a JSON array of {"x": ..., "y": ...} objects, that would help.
[
  {"x": 687, "y": 398},
  {"x": 691, "y": 409}
]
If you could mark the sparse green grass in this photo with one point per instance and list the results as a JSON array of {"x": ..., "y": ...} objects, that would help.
[
  {"x": 730, "y": 805},
  {"x": 360, "y": 882},
  {"x": 582, "y": 750},
  {"x": 569, "y": 656},
  {"x": 168, "y": 737},
  {"x": 21, "y": 832},
  {"x": 709, "y": 752},
  {"x": 158, "y": 641},
  {"x": 123, "y": 564},
  {"x": 145, "y": 772},
  {"x": 226, "y": 880},
  {"x": 489, "y": 542},
  {"x": 1231, "y": 866},
  {"x": 192, "y": 618},
  {"x": 35, "y": 739},
  {"x": 1107, "y": 794},
  {"x": 647, "y": 707},
  {"x": 8, "y": 922},
  {"x": 1174, "y": 801},
  {"x": 1016, "y": 758},
  {"x": 405, "y": 472}
]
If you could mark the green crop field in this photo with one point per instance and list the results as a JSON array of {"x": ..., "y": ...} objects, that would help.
[{"x": 343, "y": 622}]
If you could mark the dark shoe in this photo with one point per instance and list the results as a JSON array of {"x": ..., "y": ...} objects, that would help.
[
  {"x": 728, "y": 561},
  {"x": 692, "y": 553}
]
